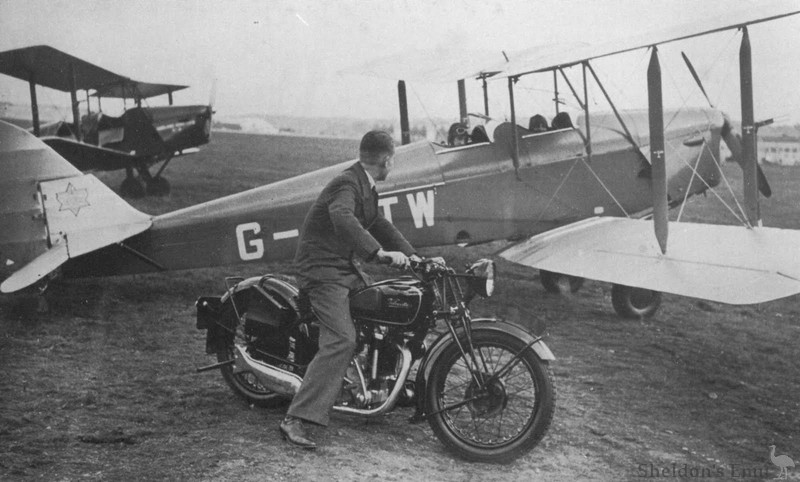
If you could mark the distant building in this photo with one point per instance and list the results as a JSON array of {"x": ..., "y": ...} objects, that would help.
[{"x": 783, "y": 150}]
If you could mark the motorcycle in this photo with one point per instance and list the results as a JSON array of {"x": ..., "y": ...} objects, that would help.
[{"x": 483, "y": 384}]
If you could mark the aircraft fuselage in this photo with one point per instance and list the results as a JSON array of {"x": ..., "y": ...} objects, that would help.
[{"x": 438, "y": 195}]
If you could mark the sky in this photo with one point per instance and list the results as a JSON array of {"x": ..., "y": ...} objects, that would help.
[{"x": 287, "y": 57}]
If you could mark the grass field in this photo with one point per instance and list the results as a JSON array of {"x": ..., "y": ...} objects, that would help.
[{"x": 103, "y": 386}]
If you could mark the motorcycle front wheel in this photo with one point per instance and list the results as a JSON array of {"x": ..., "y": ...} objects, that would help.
[
  {"x": 246, "y": 385},
  {"x": 483, "y": 415}
]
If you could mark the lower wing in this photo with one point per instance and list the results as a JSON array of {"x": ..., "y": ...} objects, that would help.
[
  {"x": 727, "y": 264},
  {"x": 88, "y": 157}
]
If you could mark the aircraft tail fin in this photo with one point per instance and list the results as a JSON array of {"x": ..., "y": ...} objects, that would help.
[{"x": 51, "y": 212}]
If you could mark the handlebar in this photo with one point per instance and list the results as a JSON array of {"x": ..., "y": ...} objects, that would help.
[{"x": 427, "y": 265}]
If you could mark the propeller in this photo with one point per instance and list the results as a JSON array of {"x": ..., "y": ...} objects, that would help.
[{"x": 731, "y": 139}]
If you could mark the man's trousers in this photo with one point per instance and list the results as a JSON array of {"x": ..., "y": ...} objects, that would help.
[{"x": 337, "y": 341}]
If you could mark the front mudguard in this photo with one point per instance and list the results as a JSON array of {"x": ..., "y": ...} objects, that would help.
[{"x": 478, "y": 324}]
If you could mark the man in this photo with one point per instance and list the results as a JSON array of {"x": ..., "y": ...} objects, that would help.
[
  {"x": 343, "y": 227},
  {"x": 457, "y": 135}
]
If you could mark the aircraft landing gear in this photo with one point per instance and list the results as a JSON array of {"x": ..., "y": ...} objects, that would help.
[
  {"x": 145, "y": 184},
  {"x": 558, "y": 283},
  {"x": 132, "y": 187},
  {"x": 157, "y": 186},
  {"x": 634, "y": 302}
]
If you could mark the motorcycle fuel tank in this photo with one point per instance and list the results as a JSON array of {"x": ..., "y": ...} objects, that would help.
[{"x": 394, "y": 302}]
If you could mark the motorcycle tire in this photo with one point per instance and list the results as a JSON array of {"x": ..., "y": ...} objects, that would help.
[
  {"x": 509, "y": 419},
  {"x": 247, "y": 387}
]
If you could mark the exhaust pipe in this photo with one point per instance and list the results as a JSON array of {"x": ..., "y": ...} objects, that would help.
[
  {"x": 287, "y": 383},
  {"x": 273, "y": 378}
]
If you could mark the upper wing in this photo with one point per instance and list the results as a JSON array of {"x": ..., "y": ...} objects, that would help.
[
  {"x": 535, "y": 61},
  {"x": 131, "y": 89},
  {"x": 53, "y": 68},
  {"x": 728, "y": 264},
  {"x": 88, "y": 157},
  {"x": 449, "y": 65}
]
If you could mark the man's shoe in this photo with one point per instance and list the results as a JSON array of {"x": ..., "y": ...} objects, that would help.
[{"x": 293, "y": 431}]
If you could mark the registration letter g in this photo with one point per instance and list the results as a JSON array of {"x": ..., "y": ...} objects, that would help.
[{"x": 251, "y": 247}]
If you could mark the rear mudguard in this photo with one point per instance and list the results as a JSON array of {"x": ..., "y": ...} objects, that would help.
[
  {"x": 478, "y": 324},
  {"x": 278, "y": 291}
]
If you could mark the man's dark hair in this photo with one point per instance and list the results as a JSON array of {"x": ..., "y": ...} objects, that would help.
[{"x": 374, "y": 145}]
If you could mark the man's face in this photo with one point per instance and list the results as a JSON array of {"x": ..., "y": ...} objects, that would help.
[{"x": 385, "y": 168}]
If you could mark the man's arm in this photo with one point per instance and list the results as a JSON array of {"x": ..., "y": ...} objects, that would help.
[
  {"x": 389, "y": 236},
  {"x": 345, "y": 224}
]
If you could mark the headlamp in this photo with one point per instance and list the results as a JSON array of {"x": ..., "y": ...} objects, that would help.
[{"x": 481, "y": 279}]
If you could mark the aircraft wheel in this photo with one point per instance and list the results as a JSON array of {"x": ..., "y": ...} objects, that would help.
[
  {"x": 557, "y": 283},
  {"x": 158, "y": 186},
  {"x": 634, "y": 302},
  {"x": 132, "y": 187}
]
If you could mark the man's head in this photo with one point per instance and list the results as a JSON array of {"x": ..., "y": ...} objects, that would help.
[
  {"x": 376, "y": 154},
  {"x": 457, "y": 135}
]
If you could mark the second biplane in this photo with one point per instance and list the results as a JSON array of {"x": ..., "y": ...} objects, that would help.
[
  {"x": 581, "y": 191},
  {"x": 134, "y": 141}
]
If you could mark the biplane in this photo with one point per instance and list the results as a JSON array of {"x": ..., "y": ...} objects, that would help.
[
  {"x": 585, "y": 198},
  {"x": 134, "y": 141}
]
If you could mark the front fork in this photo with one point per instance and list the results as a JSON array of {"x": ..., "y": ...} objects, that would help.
[{"x": 463, "y": 338}]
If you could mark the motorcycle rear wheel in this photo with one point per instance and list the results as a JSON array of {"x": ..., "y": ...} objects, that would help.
[
  {"x": 505, "y": 420},
  {"x": 246, "y": 385}
]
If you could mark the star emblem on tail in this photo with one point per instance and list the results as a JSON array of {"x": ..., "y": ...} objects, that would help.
[{"x": 73, "y": 199}]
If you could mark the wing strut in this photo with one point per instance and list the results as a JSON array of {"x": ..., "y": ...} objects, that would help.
[
  {"x": 574, "y": 92},
  {"x": 485, "y": 96},
  {"x": 514, "y": 138},
  {"x": 586, "y": 115},
  {"x": 405, "y": 134},
  {"x": 749, "y": 160},
  {"x": 34, "y": 105},
  {"x": 76, "y": 116},
  {"x": 462, "y": 102},
  {"x": 555, "y": 89},
  {"x": 657, "y": 160},
  {"x": 613, "y": 108}
]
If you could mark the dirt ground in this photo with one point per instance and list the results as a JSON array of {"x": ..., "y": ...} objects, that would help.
[{"x": 103, "y": 387}]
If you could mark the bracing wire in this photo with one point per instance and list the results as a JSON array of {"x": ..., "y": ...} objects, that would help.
[
  {"x": 742, "y": 219},
  {"x": 600, "y": 181}
]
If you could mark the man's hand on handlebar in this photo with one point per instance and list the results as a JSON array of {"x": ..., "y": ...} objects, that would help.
[{"x": 395, "y": 259}]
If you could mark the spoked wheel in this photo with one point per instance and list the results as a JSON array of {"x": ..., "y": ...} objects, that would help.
[
  {"x": 246, "y": 385},
  {"x": 490, "y": 414}
]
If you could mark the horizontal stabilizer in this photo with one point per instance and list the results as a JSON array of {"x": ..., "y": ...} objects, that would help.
[
  {"x": 83, "y": 215},
  {"x": 37, "y": 269},
  {"x": 727, "y": 264}
]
